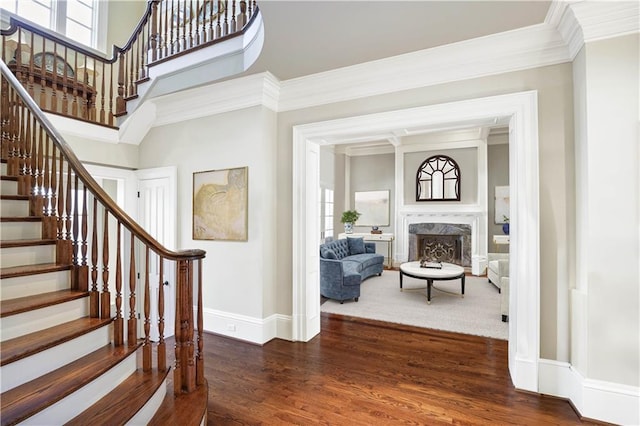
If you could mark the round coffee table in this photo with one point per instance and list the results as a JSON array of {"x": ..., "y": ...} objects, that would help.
[{"x": 449, "y": 271}]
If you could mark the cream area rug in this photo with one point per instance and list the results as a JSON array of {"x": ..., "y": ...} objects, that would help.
[{"x": 477, "y": 313}]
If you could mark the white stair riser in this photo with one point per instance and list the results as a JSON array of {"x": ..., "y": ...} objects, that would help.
[
  {"x": 3, "y": 169},
  {"x": 31, "y": 255},
  {"x": 29, "y": 322},
  {"x": 44, "y": 362},
  {"x": 8, "y": 187},
  {"x": 69, "y": 407},
  {"x": 11, "y": 288},
  {"x": 20, "y": 230},
  {"x": 9, "y": 208},
  {"x": 146, "y": 413}
]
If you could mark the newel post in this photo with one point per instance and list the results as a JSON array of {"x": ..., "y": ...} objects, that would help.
[
  {"x": 121, "y": 107},
  {"x": 184, "y": 378}
]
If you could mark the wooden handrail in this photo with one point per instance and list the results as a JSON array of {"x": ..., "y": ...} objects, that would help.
[
  {"x": 91, "y": 184},
  {"x": 61, "y": 192}
]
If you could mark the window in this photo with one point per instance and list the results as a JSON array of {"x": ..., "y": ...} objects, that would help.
[
  {"x": 326, "y": 214},
  {"x": 438, "y": 179},
  {"x": 75, "y": 19}
]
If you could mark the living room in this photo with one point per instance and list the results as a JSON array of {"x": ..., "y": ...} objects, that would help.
[{"x": 371, "y": 167}]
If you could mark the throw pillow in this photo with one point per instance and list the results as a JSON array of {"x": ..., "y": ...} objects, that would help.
[
  {"x": 356, "y": 245},
  {"x": 326, "y": 253}
]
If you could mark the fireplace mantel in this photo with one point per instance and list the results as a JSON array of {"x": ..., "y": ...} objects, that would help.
[{"x": 458, "y": 214}]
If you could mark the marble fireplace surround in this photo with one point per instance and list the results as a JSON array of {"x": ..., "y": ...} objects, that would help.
[
  {"x": 449, "y": 220},
  {"x": 457, "y": 235}
]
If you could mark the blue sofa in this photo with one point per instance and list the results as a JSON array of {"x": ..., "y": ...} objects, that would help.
[{"x": 344, "y": 264}]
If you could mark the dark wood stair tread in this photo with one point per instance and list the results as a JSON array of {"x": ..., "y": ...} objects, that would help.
[
  {"x": 28, "y": 303},
  {"x": 29, "y": 344},
  {"x": 122, "y": 403},
  {"x": 27, "y": 242},
  {"x": 183, "y": 409},
  {"x": 41, "y": 268},
  {"x": 12, "y": 178},
  {"x": 21, "y": 219},
  {"x": 21, "y": 402},
  {"x": 15, "y": 197}
]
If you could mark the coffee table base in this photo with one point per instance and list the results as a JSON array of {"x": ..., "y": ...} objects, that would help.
[{"x": 430, "y": 284}]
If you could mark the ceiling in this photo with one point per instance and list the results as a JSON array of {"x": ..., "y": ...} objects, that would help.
[{"x": 304, "y": 37}]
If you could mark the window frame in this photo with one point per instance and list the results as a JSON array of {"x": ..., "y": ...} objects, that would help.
[
  {"x": 58, "y": 20},
  {"x": 440, "y": 164}
]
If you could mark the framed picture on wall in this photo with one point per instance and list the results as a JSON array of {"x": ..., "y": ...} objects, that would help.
[
  {"x": 220, "y": 204},
  {"x": 502, "y": 204},
  {"x": 373, "y": 207}
]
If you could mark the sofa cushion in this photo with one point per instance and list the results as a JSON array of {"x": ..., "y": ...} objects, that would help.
[
  {"x": 326, "y": 253},
  {"x": 366, "y": 260},
  {"x": 356, "y": 245}
]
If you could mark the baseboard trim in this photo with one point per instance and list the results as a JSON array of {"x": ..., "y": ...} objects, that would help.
[
  {"x": 593, "y": 399},
  {"x": 250, "y": 329}
]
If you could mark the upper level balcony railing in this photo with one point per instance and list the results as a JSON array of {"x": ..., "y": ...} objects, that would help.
[{"x": 67, "y": 79}]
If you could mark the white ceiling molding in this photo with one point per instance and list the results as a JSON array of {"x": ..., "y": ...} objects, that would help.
[
  {"x": 580, "y": 22},
  {"x": 524, "y": 48},
  {"x": 358, "y": 151},
  {"x": 231, "y": 95}
]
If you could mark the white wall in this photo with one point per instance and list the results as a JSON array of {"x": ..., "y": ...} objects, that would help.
[
  {"x": 239, "y": 277},
  {"x": 610, "y": 262},
  {"x": 497, "y": 175}
]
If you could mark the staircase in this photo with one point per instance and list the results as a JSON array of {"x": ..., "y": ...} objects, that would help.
[{"x": 70, "y": 351}]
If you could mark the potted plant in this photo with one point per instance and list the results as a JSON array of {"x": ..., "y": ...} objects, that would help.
[{"x": 349, "y": 217}]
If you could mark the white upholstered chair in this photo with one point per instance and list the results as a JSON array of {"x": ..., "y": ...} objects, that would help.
[
  {"x": 504, "y": 298},
  {"x": 498, "y": 267}
]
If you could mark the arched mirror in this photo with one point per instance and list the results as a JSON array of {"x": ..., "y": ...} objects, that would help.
[{"x": 438, "y": 179}]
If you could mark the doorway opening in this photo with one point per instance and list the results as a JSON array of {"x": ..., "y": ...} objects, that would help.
[{"x": 520, "y": 111}]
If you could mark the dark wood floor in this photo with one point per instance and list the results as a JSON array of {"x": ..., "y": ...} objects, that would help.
[{"x": 362, "y": 372}]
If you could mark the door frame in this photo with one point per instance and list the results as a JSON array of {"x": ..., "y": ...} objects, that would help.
[
  {"x": 521, "y": 112},
  {"x": 171, "y": 231}
]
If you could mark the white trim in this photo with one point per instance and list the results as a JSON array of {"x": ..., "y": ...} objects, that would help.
[
  {"x": 126, "y": 188},
  {"x": 249, "y": 329},
  {"x": 521, "y": 109},
  {"x": 594, "y": 399},
  {"x": 580, "y": 22},
  {"x": 524, "y": 48}
]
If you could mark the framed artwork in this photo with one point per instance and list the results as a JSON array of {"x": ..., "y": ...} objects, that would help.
[
  {"x": 180, "y": 12},
  {"x": 502, "y": 204},
  {"x": 50, "y": 59},
  {"x": 205, "y": 14},
  {"x": 373, "y": 207},
  {"x": 220, "y": 204}
]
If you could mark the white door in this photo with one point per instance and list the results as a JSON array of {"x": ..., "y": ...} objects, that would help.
[{"x": 157, "y": 215}]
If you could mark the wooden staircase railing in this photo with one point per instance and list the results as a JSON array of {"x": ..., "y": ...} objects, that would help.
[
  {"x": 73, "y": 81},
  {"x": 84, "y": 221}
]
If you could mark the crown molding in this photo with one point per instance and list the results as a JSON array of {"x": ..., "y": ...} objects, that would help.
[
  {"x": 524, "y": 48},
  {"x": 231, "y": 95},
  {"x": 583, "y": 21}
]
